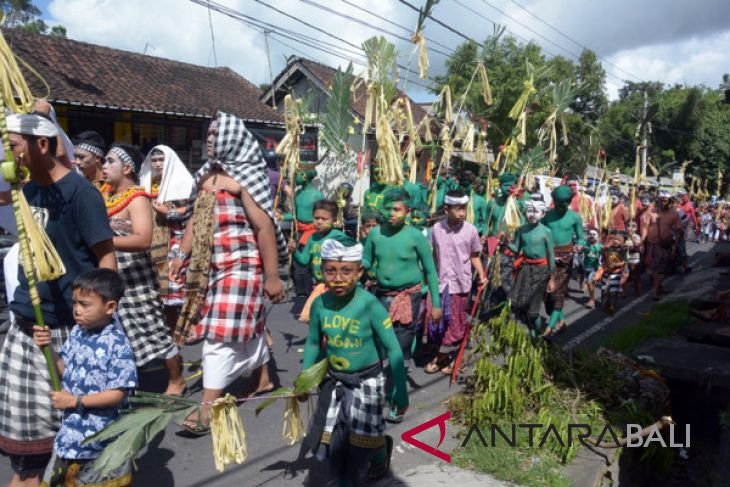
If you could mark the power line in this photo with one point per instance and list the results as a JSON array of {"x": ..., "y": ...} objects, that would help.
[
  {"x": 524, "y": 39},
  {"x": 442, "y": 24},
  {"x": 380, "y": 17},
  {"x": 573, "y": 40},
  {"x": 362, "y": 22},
  {"x": 261, "y": 26},
  {"x": 333, "y": 36}
]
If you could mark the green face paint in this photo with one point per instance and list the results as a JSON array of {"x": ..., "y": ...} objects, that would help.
[{"x": 300, "y": 177}]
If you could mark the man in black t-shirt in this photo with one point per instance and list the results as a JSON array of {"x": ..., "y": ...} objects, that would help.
[{"x": 74, "y": 216}]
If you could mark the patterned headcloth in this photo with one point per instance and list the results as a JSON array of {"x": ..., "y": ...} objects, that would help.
[
  {"x": 238, "y": 154},
  {"x": 563, "y": 193}
]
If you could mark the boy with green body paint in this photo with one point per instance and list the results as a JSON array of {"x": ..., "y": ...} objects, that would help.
[
  {"x": 404, "y": 258},
  {"x": 325, "y": 213},
  {"x": 348, "y": 427},
  {"x": 567, "y": 228}
]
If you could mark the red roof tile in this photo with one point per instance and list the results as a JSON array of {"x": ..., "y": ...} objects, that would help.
[{"x": 91, "y": 75}]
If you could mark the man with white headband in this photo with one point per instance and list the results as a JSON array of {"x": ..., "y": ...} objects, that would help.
[
  {"x": 73, "y": 214},
  {"x": 351, "y": 321},
  {"x": 660, "y": 232},
  {"x": 457, "y": 248},
  {"x": 533, "y": 246},
  {"x": 89, "y": 152}
]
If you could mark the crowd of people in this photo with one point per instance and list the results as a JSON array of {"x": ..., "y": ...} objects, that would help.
[{"x": 157, "y": 257}]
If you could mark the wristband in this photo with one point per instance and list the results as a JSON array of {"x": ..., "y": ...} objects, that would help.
[
  {"x": 79, "y": 405},
  {"x": 173, "y": 215}
]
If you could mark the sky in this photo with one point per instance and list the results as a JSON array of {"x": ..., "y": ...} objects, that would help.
[{"x": 673, "y": 41}]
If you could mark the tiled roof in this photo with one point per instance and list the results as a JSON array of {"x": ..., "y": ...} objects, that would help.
[
  {"x": 358, "y": 100},
  {"x": 85, "y": 74}
]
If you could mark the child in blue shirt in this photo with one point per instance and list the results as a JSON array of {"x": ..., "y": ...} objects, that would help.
[{"x": 98, "y": 371}]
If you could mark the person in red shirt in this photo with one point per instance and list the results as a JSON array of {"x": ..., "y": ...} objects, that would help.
[{"x": 686, "y": 205}]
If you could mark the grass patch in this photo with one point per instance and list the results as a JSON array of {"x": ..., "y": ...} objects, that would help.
[
  {"x": 519, "y": 465},
  {"x": 663, "y": 320}
]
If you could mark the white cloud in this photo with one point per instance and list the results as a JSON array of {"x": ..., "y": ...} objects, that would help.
[{"x": 679, "y": 42}]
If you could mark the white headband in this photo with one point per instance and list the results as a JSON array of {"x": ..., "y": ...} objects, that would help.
[
  {"x": 451, "y": 201},
  {"x": 31, "y": 124},
  {"x": 334, "y": 250},
  {"x": 122, "y": 154},
  {"x": 92, "y": 149},
  {"x": 535, "y": 205}
]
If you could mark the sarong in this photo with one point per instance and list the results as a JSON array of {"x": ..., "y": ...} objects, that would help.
[
  {"x": 612, "y": 285},
  {"x": 166, "y": 237},
  {"x": 657, "y": 257},
  {"x": 141, "y": 310},
  {"x": 499, "y": 290},
  {"x": 234, "y": 303},
  {"x": 348, "y": 427},
  {"x": 529, "y": 290},
  {"x": 449, "y": 331},
  {"x": 403, "y": 306},
  {"x": 560, "y": 278},
  {"x": 28, "y": 421},
  {"x": 63, "y": 472}
]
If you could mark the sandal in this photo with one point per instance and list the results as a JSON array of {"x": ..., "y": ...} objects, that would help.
[
  {"x": 562, "y": 325},
  {"x": 195, "y": 427},
  {"x": 436, "y": 364},
  {"x": 265, "y": 390},
  {"x": 378, "y": 470}
]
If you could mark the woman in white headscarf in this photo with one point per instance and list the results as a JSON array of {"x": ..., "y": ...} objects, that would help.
[{"x": 164, "y": 176}]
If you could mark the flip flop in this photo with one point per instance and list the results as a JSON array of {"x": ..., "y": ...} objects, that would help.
[
  {"x": 378, "y": 470},
  {"x": 181, "y": 394},
  {"x": 259, "y": 392},
  {"x": 196, "y": 428}
]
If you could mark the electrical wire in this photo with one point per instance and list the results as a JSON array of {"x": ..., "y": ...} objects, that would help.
[
  {"x": 573, "y": 40},
  {"x": 380, "y": 17},
  {"x": 442, "y": 24},
  {"x": 362, "y": 22}
]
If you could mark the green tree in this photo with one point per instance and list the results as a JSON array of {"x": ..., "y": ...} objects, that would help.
[
  {"x": 592, "y": 102},
  {"x": 24, "y": 14}
]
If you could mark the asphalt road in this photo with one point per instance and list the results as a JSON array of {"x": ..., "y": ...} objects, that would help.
[{"x": 173, "y": 459}]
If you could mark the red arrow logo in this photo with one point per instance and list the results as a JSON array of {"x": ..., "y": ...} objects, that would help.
[{"x": 408, "y": 436}]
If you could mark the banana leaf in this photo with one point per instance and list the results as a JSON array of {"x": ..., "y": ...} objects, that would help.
[{"x": 135, "y": 428}]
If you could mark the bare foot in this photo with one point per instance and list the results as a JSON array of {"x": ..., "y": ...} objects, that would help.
[{"x": 176, "y": 388}]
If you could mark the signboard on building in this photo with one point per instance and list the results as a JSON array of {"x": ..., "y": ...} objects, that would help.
[{"x": 269, "y": 138}]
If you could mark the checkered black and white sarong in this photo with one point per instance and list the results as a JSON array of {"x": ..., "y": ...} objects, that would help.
[
  {"x": 234, "y": 304},
  {"x": 140, "y": 310},
  {"x": 28, "y": 422},
  {"x": 364, "y": 416}
]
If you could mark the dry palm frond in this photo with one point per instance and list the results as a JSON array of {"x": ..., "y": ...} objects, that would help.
[
  {"x": 419, "y": 39},
  {"x": 229, "y": 437},
  {"x": 512, "y": 220},
  {"x": 563, "y": 94},
  {"x": 468, "y": 140},
  {"x": 15, "y": 91},
  {"x": 486, "y": 89},
  {"x": 447, "y": 147},
  {"x": 427, "y": 136},
  {"x": 480, "y": 155},
  {"x": 444, "y": 103}
]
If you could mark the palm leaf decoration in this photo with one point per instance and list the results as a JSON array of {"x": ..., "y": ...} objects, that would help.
[
  {"x": 134, "y": 429},
  {"x": 308, "y": 379},
  {"x": 337, "y": 119},
  {"x": 419, "y": 40},
  {"x": 562, "y": 94},
  {"x": 382, "y": 65}
]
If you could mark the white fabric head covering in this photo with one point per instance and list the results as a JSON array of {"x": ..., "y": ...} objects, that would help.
[
  {"x": 176, "y": 182},
  {"x": 334, "y": 250},
  {"x": 32, "y": 124},
  {"x": 593, "y": 233},
  {"x": 67, "y": 145},
  {"x": 664, "y": 194},
  {"x": 451, "y": 201}
]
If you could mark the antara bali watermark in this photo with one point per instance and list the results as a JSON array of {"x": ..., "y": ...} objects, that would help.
[{"x": 537, "y": 434}]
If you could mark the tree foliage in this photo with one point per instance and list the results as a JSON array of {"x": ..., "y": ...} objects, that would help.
[
  {"x": 24, "y": 14},
  {"x": 683, "y": 123}
]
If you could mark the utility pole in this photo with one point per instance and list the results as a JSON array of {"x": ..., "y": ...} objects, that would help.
[
  {"x": 271, "y": 74},
  {"x": 644, "y": 138}
]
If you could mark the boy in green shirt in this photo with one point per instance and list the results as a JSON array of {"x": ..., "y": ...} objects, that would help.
[{"x": 348, "y": 427}]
